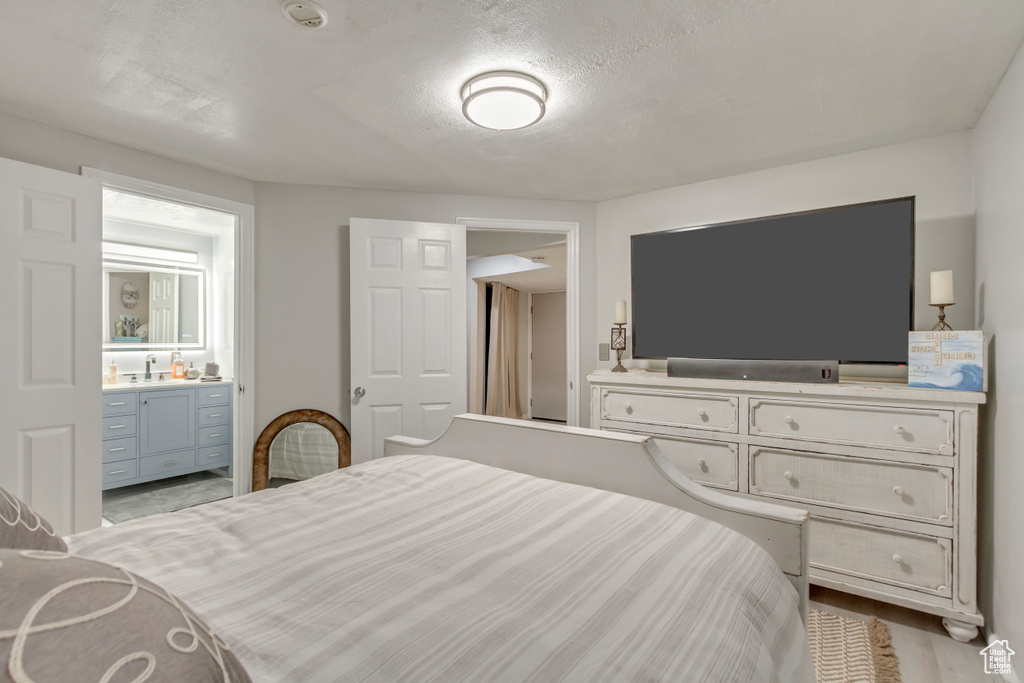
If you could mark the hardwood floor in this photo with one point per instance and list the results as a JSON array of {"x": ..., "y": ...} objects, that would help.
[{"x": 925, "y": 651}]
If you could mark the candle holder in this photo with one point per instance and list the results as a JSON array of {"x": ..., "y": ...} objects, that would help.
[
  {"x": 619, "y": 345},
  {"x": 942, "y": 324}
]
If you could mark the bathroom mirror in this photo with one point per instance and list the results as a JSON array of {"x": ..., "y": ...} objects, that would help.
[
  {"x": 299, "y": 445},
  {"x": 149, "y": 307}
]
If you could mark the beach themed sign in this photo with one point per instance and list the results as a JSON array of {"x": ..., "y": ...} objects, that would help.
[{"x": 947, "y": 360}]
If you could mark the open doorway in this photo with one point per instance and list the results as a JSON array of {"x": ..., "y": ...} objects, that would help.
[
  {"x": 517, "y": 368},
  {"x": 177, "y": 344}
]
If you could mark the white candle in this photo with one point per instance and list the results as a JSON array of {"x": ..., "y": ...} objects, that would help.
[
  {"x": 620, "y": 312},
  {"x": 942, "y": 287}
]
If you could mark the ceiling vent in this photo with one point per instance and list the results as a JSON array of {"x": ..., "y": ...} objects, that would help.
[{"x": 305, "y": 14}]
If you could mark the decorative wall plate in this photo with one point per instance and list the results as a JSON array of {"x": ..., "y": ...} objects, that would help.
[{"x": 129, "y": 295}]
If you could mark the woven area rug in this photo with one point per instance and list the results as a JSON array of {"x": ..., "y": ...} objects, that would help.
[{"x": 850, "y": 650}]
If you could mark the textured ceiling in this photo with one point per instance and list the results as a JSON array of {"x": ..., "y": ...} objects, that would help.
[{"x": 644, "y": 94}]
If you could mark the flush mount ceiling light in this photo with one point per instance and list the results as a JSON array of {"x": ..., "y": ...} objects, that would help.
[
  {"x": 503, "y": 100},
  {"x": 305, "y": 14}
]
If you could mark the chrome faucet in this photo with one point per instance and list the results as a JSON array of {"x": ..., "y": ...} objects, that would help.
[{"x": 149, "y": 358}]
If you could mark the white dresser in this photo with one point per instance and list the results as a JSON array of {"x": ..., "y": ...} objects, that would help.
[{"x": 888, "y": 472}]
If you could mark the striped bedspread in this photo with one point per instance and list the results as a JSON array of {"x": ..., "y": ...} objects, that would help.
[{"x": 421, "y": 568}]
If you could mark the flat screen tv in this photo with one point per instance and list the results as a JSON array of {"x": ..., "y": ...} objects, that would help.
[{"x": 833, "y": 284}]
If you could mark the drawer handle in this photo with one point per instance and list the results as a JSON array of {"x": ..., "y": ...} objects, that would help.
[
  {"x": 788, "y": 476},
  {"x": 117, "y": 426},
  {"x": 788, "y": 420},
  {"x": 115, "y": 450},
  {"x": 898, "y": 490},
  {"x": 212, "y": 436},
  {"x": 629, "y": 407},
  {"x": 898, "y": 429},
  {"x": 116, "y": 404},
  {"x": 168, "y": 463},
  {"x": 702, "y": 464},
  {"x": 214, "y": 455},
  {"x": 218, "y": 396},
  {"x": 110, "y": 474},
  {"x": 897, "y": 558},
  {"x": 214, "y": 415},
  {"x": 701, "y": 412}
]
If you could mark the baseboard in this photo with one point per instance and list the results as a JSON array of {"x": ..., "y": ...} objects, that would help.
[{"x": 989, "y": 639}]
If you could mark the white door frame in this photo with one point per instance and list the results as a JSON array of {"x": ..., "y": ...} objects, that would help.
[
  {"x": 571, "y": 230},
  {"x": 245, "y": 305}
]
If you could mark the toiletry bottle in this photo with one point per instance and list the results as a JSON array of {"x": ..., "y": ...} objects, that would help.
[
  {"x": 112, "y": 372},
  {"x": 177, "y": 366}
]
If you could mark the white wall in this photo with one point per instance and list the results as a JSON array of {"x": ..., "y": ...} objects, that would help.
[
  {"x": 43, "y": 145},
  {"x": 999, "y": 199},
  {"x": 936, "y": 170},
  {"x": 302, "y": 256}
]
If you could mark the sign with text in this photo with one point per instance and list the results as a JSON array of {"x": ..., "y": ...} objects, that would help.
[{"x": 947, "y": 360}]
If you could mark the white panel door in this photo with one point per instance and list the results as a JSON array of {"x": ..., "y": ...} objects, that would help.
[
  {"x": 163, "y": 308},
  {"x": 408, "y": 338},
  {"x": 50, "y": 308}
]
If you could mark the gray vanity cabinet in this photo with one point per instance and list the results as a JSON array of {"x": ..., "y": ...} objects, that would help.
[
  {"x": 167, "y": 420},
  {"x": 160, "y": 432}
]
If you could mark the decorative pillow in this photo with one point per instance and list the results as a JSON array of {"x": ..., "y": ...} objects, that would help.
[
  {"x": 66, "y": 618},
  {"x": 22, "y": 528}
]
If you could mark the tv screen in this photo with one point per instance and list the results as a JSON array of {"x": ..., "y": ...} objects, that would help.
[{"x": 832, "y": 284}]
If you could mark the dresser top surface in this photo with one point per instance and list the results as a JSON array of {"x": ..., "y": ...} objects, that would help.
[{"x": 867, "y": 390}]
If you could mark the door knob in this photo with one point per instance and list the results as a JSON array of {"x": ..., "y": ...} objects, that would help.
[{"x": 359, "y": 392}]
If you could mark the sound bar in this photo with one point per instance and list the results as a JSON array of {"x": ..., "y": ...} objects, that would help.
[{"x": 817, "y": 371}]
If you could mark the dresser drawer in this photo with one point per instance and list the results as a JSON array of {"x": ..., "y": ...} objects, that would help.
[
  {"x": 213, "y": 436},
  {"x": 921, "y": 563},
  {"x": 877, "y": 487},
  {"x": 124, "y": 403},
  {"x": 215, "y": 456},
  {"x": 167, "y": 462},
  {"x": 120, "y": 449},
  {"x": 215, "y": 395},
  {"x": 119, "y": 471},
  {"x": 925, "y": 431},
  {"x": 711, "y": 463},
  {"x": 713, "y": 413},
  {"x": 214, "y": 415},
  {"x": 116, "y": 427}
]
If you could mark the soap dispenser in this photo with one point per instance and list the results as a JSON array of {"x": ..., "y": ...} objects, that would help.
[
  {"x": 112, "y": 372},
  {"x": 177, "y": 366}
]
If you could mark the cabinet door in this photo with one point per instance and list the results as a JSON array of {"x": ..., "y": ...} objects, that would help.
[{"x": 167, "y": 420}]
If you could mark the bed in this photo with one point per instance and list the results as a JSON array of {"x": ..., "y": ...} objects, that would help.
[{"x": 501, "y": 551}]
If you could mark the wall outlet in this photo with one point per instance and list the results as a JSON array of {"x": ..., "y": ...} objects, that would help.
[{"x": 604, "y": 352}]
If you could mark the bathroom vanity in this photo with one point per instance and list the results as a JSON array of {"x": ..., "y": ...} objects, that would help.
[{"x": 154, "y": 430}]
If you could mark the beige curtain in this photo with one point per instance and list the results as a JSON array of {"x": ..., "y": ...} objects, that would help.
[{"x": 502, "y": 397}]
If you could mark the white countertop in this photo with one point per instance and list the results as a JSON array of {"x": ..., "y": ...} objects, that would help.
[{"x": 157, "y": 384}]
